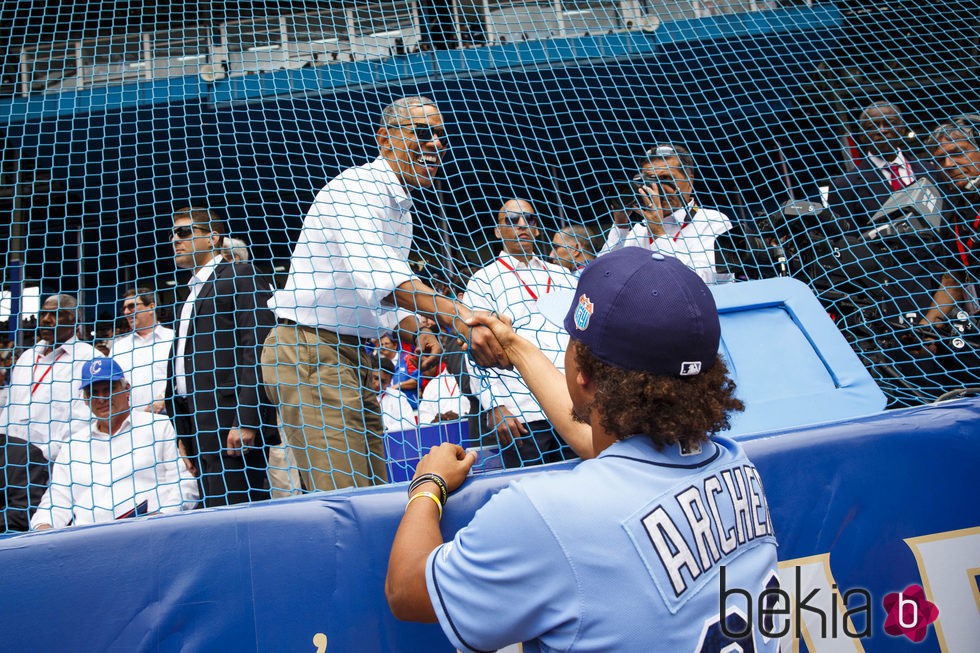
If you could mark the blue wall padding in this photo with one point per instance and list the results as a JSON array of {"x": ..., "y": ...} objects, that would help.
[{"x": 269, "y": 577}]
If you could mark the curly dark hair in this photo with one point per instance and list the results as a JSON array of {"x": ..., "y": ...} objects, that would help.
[{"x": 669, "y": 410}]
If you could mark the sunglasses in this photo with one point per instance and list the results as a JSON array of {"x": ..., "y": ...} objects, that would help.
[
  {"x": 186, "y": 231},
  {"x": 425, "y": 133},
  {"x": 513, "y": 219}
]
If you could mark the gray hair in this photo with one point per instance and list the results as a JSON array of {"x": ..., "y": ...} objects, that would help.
[
  {"x": 400, "y": 111},
  {"x": 582, "y": 235},
  {"x": 65, "y": 303},
  {"x": 235, "y": 250}
]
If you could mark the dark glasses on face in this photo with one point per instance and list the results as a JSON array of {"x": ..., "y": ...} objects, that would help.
[
  {"x": 425, "y": 133},
  {"x": 513, "y": 219},
  {"x": 185, "y": 231}
]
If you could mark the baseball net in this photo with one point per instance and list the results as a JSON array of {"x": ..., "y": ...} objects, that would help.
[{"x": 113, "y": 120}]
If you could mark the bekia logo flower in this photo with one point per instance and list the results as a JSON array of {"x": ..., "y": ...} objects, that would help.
[{"x": 909, "y": 613}]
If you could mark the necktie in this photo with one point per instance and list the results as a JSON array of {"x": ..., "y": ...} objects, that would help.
[{"x": 896, "y": 177}]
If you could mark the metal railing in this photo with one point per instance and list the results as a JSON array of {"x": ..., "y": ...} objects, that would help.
[{"x": 374, "y": 30}]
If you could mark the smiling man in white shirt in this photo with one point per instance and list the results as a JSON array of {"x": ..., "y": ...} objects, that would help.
[
  {"x": 348, "y": 277},
  {"x": 121, "y": 463},
  {"x": 44, "y": 401},
  {"x": 143, "y": 353},
  {"x": 511, "y": 285}
]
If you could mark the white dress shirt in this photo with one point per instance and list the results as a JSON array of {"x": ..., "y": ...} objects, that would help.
[
  {"x": 692, "y": 242},
  {"x": 442, "y": 395},
  {"x": 196, "y": 282},
  {"x": 512, "y": 288},
  {"x": 144, "y": 362},
  {"x": 396, "y": 413},
  {"x": 352, "y": 253},
  {"x": 99, "y": 477},
  {"x": 888, "y": 168},
  {"x": 45, "y": 395}
]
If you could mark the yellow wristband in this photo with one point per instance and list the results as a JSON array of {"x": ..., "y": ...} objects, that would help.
[{"x": 430, "y": 496}]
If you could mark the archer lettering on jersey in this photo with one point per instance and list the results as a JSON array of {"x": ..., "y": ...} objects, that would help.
[{"x": 706, "y": 523}]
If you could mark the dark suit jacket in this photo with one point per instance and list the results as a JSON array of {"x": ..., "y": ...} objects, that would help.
[
  {"x": 858, "y": 195},
  {"x": 222, "y": 362}
]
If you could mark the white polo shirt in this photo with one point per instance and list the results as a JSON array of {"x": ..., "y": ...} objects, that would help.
[
  {"x": 352, "y": 253},
  {"x": 512, "y": 288},
  {"x": 396, "y": 413},
  {"x": 691, "y": 242},
  {"x": 99, "y": 477},
  {"x": 442, "y": 395},
  {"x": 144, "y": 362},
  {"x": 45, "y": 394}
]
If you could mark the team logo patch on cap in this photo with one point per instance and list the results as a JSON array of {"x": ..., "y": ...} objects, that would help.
[
  {"x": 96, "y": 366},
  {"x": 690, "y": 368},
  {"x": 583, "y": 313}
]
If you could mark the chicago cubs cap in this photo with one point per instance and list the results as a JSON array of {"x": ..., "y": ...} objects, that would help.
[
  {"x": 640, "y": 310},
  {"x": 101, "y": 369}
]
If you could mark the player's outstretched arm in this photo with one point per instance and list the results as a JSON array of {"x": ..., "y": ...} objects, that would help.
[
  {"x": 418, "y": 534},
  {"x": 545, "y": 381}
]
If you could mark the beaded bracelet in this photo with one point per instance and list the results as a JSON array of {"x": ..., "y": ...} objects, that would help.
[
  {"x": 427, "y": 495},
  {"x": 434, "y": 478}
]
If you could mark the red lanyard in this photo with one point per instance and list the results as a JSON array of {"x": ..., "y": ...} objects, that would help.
[
  {"x": 526, "y": 287},
  {"x": 677, "y": 235},
  {"x": 445, "y": 379},
  {"x": 37, "y": 381},
  {"x": 965, "y": 249}
]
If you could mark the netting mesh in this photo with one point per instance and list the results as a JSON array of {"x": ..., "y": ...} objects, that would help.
[{"x": 749, "y": 139}]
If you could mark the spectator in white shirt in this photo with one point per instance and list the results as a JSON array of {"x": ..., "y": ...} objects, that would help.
[
  {"x": 442, "y": 398},
  {"x": 672, "y": 223},
  {"x": 396, "y": 411},
  {"x": 348, "y": 275},
  {"x": 512, "y": 285},
  {"x": 144, "y": 352},
  {"x": 121, "y": 463},
  {"x": 44, "y": 401}
]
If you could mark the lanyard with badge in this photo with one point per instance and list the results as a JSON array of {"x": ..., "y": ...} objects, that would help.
[{"x": 37, "y": 381}]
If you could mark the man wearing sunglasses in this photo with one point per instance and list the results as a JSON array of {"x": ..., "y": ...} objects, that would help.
[
  {"x": 44, "y": 401},
  {"x": 956, "y": 146},
  {"x": 670, "y": 221},
  {"x": 348, "y": 278},
  {"x": 512, "y": 285},
  {"x": 219, "y": 409}
]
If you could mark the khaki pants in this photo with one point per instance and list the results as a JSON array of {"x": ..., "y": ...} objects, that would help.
[{"x": 328, "y": 413}]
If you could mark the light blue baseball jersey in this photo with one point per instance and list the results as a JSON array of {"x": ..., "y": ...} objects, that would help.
[{"x": 624, "y": 552}]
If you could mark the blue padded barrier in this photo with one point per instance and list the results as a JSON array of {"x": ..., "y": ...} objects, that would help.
[
  {"x": 791, "y": 363},
  {"x": 279, "y": 576},
  {"x": 405, "y": 448}
]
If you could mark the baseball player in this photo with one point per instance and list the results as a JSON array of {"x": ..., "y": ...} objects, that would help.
[{"x": 629, "y": 550}]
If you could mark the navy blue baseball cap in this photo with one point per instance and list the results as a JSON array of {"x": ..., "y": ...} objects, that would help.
[
  {"x": 640, "y": 310},
  {"x": 101, "y": 369}
]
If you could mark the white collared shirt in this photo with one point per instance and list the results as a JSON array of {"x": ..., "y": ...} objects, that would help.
[
  {"x": 396, "y": 413},
  {"x": 99, "y": 477},
  {"x": 197, "y": 280},
  {"x": 144, "y": 362},
  {"x": 691, "y": 242},
  {"x": 45, "y": 394},
  {"x": 352, "y": 253},
  {"x": 442, "y": 395},
  {"x": 510, "y": 287},
  {"x": 885, "y": 167}
]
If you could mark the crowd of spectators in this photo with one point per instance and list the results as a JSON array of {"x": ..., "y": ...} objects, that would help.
[{"x": 356, "y": 348}]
